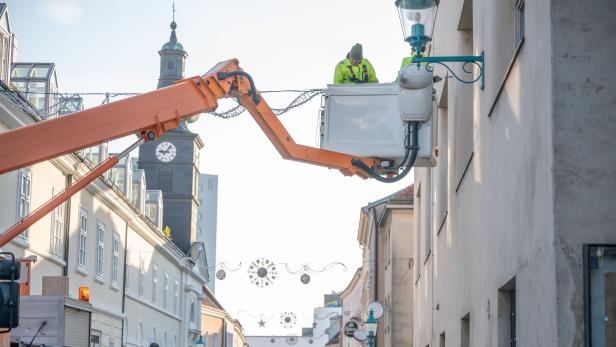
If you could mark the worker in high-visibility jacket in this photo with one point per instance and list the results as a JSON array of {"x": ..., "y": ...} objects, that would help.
[
  {"x": 408, "y": 60},
  {"x": 355, "y": 68}
]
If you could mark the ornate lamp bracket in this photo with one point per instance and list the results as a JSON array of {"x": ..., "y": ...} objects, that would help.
[{"x": 466, "y": 61}]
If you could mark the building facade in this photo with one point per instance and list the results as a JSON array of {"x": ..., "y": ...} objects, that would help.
[
  {"x": 171, "y": 163},
  {"x": 142, "y": 287},
  {"x": 515, "y": 239},
  {"x": 207, "y": 221},
  {"x": 351, "y": 308},
  {"x": 385, "y": 235}
]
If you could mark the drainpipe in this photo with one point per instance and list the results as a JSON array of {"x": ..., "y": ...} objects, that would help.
[
  {"x": 124, "y": 279},
  {"x": 67, "y": 225},
  {"x": 374, "y": 253}
]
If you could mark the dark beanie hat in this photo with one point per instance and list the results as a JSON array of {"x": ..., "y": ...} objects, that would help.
[{"x": 356, "y": 51}]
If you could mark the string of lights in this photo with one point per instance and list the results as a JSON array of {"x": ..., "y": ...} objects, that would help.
[{"x": 305, "y": 96}]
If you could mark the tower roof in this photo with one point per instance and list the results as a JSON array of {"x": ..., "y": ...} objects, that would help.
[{"x": 173, "y": 44}]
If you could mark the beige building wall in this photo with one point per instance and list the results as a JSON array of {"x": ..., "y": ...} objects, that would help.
[
  {"x": 351, "y": 307},
  {"x": 117, "y": 318},
  {"x": 386, "y": 234},
  {"x": 397, "y": 231}
]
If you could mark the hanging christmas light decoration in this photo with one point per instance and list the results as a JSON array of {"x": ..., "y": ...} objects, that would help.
[
  {"x": 288, "y": 319},
  {"x": 306, "y": 269},
  {"x": 221, "y": 274},
  {"x": 261, "y": 323},
  {"x": 305, "y": 278},
  {"x": 262, "y": 272},
  {"x": 291, "y": 340}
]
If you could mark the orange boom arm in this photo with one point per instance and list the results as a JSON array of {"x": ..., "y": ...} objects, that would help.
[
  {"x": 150, "y": 115},
  {"x": 154, "y": 113}
]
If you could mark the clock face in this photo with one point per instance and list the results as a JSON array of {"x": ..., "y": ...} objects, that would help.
[{"x": 165, "y": 151}]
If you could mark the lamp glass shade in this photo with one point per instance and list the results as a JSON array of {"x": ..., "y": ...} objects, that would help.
[
  {"x": 371, "y": 324},
  {"x": 416, "y": 22},
  {"x": 199, "y": 342}
]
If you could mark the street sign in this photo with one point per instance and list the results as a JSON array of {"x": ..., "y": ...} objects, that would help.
[
  {"x": 360, "y": 335},
  {"x": 350, "y": 327},
  {"x": 376, "y": 308}
]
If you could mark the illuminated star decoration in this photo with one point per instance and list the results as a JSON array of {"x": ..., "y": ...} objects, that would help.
[
  {"x": 262, "y": 272},
  {"x": 261, "y": 323},
  {"x": 288, "y": 319}
]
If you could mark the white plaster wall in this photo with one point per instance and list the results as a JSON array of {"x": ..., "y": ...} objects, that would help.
[
  {"x": 499, "y": 222},
  {"x": 141, "y": 309}
]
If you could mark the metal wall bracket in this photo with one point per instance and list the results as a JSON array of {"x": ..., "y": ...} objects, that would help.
[{"x": 477, "y": 60}]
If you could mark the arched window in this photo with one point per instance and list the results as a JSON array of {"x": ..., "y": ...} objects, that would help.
[
  {"x": 153, "y": 337},
  {"x": 193, "y": 313},
  {"x": 140, "y": 334}
]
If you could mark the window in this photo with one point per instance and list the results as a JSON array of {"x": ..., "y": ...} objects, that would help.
[
  {"x": 506, "y": 315},
  {"x": 176, "y": 288},
  {"x": 519, "y": 21},
  {"x": 100, "y": 248},
  {"x": 153, "y": 337},
  {"x": 466, "y": 331},
  {"x": 600, "y": 295},
  {"x": 140, "y": 334},
  {"x": 24, "y": 195},
  {"x": 442, "y": 340},
  {"x": 115, "y": 259},
  {"x": 154, "y": 282},
  {"x": 127, "y": 271},
  {"x": 196, "y": 183},
  {"x": 193, "y": 314},
  {"x": 57, "y": 229},
  {"x": 175, "y": 340},
  {"x": 83, "y": 237},
  {"x": 165, "y": 289},
  {"x": 461, "y": 96},
  {"x": 141, "y": 276},
  {"x": 442, "y": 169},
  {"x": 164, "y": 338}
]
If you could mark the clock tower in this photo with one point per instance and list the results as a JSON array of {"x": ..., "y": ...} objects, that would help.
[{"x": 171, "y": 163}]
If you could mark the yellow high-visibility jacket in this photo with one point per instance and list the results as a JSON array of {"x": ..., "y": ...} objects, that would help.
[
  {"x": 346, "y": 73},
  {"x": 408, "y": 60}
]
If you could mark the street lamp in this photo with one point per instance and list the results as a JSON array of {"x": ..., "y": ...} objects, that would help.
[
  {"x": 416, "y": 18},
  {"x": 371, "y": 325},
  {"x": 199, "y": 342}
]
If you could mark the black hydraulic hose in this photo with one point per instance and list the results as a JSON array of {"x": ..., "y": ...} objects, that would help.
[
  {"x": 37, "y": 332},
  {"x": 253, "y": 90},
  {"x": 407, "y": 147},
  {"x": 414, "y": 149}
]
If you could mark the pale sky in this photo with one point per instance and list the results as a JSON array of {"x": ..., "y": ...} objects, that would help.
[{"x": 268, "y": 207}]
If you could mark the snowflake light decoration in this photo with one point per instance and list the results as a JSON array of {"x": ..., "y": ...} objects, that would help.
[
  {"x": 262, "y": 272},
  {"x": 291, "y": 340},
  {"x": 288, "y": 319}
]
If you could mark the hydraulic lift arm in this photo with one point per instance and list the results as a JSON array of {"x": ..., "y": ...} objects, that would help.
[{"x": 150, "y": 115}]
